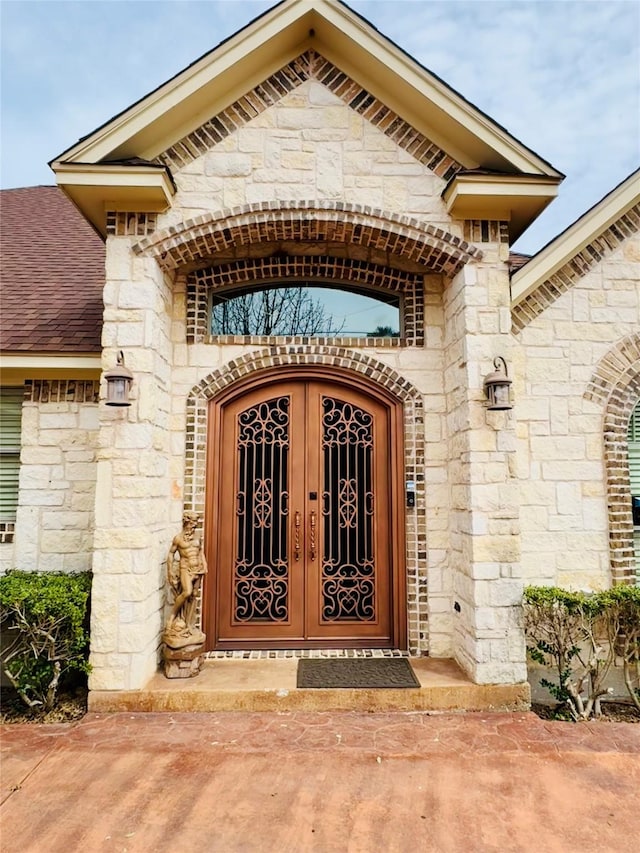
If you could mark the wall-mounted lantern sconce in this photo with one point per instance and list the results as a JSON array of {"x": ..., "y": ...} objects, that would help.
[
  {"x": 119, "y": 379},
  {"x": 497, "y": 385}
]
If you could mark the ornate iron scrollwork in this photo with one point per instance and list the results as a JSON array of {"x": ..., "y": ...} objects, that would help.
[
  {"x": 261, "y": 570},
  {"x": 348, "y": 566}
]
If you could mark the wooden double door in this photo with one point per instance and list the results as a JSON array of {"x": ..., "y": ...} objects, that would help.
[{"x": 299, "y": 537}]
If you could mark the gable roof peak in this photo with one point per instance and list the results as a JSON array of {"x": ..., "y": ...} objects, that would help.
[
  {"x": 237, "y": 66},
  {"x": 266, "y": 44}
]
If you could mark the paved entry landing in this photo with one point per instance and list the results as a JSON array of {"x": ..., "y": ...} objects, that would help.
[
  {"x": 320, "y": 783},
  {"x": 270, "y": 685}
]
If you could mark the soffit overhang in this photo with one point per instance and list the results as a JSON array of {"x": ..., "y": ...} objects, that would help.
[
  {"x": 101, "y": 187},
  {"x": 515, "y": 199},
  {"x": 216, "y": 80},
  {"x": 16, "y": 367},
  {"x": 574, "y": 239}
]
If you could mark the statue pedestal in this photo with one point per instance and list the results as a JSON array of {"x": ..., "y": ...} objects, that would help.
[{"x": 184, "y": 662}]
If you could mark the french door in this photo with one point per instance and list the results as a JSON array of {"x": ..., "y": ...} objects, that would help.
[{"x": 301, "y": 551}]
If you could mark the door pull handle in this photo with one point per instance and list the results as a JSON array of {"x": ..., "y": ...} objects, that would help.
[
  {"x": 312, "y": 535},
  {"x": 296, "y": 545}
]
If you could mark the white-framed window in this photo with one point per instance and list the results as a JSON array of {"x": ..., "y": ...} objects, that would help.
[
  {"x": 10, "y": 439},
  {"x": 633, "y": 445}
]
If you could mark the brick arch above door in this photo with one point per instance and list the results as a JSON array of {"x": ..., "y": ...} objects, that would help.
[
  {"x": 364, "y": 369},
  {"x": 401, "y": 240}
]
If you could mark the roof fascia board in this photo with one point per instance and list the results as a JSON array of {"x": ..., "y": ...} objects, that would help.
[
  {"x": 108, "y": 138},
  {"x": 425, "y": 83},
  {"x": 351, "y": 41},
  {"x": 20, "y": 362},
  {"x": 152, "y": 140},
  {"x": 108, "y": 175},
  {"x": 578, "y": 235},
  {"x": 515, "y": 199},
  {"x": 96, "y": 189},
  {"x": 497, "y": 185}
]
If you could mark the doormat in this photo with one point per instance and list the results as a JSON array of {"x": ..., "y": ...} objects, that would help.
[{"x": 356, "y": 673}]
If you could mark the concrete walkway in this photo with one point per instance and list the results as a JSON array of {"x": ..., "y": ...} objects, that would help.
[{"x": 322, "y": 782}]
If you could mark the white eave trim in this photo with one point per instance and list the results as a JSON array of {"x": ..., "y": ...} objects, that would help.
[
  {"x": 571, "y": 241},
  {"x": 108, "y": 138},
  {"x": 42, "y": 361},
  {"x": 132, "y": 177}
]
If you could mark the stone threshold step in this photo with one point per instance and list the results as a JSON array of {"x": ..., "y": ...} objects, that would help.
[{"x": 270, "y": 685}]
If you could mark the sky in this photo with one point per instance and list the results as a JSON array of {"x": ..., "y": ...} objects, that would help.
[{"x": 562, "y": 76}]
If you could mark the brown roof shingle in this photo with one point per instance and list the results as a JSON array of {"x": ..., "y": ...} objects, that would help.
[{"x": 51, "y": 274}]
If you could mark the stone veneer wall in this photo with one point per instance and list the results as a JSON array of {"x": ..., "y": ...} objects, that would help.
[
  {"x": 135, "y": 515},
  {"x": 562, "y": 404},
  {"x": 308, "y": 145},
  {"x": 309, "y": 66},
  {"x": 566, "y": 277},
  {"x": 482, "y": 568},
  {"x": 55, "y": 516}
]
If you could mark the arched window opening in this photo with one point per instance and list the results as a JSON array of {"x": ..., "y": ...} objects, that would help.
[
  {"x": 305, "y": 309},
  {"x": 634, "y": 480}
]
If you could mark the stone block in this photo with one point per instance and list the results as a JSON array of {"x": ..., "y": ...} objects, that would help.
[
  {"x": 107, "y": 678},
  {"x": 77, "y": 562},
  {"x": 329, "y": 170},
  {"x": 228, "y": 165},
  {"x": 63, "y": 541},
  {"x": 105, "y": 594},
  {"x": 576, "y": 470},
  {"x": 53, "y": 562},
  {"x": 129, "y": 335},
  {"x": 48, "y": 455},
  {"x": 41, "y": 497},
  {"x": 86, "y": 471},
  {"x": 64, "y": 520},
  {"x": 134, "y": 436},
  {"x": 38, "y": 476},
  {"x": 118, "y": 259},
  {"x": 506, "y": 593},
  {"x": 58, "y": 421},
  {"x": 514, "y": 672},
  {"x": 134, "y": 636},
  {"x": 115, "y": 538}
]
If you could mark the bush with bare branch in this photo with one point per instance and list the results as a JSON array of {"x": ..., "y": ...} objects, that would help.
[
  {"x": 43, "y": 620},
  {"x": 580, "y": 635}
]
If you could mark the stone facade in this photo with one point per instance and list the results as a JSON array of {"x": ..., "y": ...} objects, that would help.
[
  {"x": 309, "y": 177},
  {"x": 563, "y": 400},
  {"x": 308, "y": 145},
  {"x": 462, "y": 539},
  {"x": 56, "y": 498}
]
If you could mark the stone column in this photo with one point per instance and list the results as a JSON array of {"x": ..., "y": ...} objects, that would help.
[
  {"x": 484, "y": 512},
  {"x": 133, "y": 520}
]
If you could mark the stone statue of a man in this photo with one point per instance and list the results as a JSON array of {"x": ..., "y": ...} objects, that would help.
[{"x": 186, "y": 565}]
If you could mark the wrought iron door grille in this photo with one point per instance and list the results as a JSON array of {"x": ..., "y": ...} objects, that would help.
[
  {"x": 261, "y": 567},
  {"x": 348, "y": 567}
]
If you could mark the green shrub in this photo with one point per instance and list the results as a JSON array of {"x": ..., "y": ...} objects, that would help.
[
  {"x": 580, "y": 635},
  {"x": 43, "y": 619}
]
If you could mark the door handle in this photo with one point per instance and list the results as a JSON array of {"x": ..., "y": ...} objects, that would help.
[
  {"x": 312, "y": 534},
  {"x": 296, "y": 543}
]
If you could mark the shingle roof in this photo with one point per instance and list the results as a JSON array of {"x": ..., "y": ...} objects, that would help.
[
  {"x": 517, "y": 260},
  {"x": 51, "y": 274}
]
